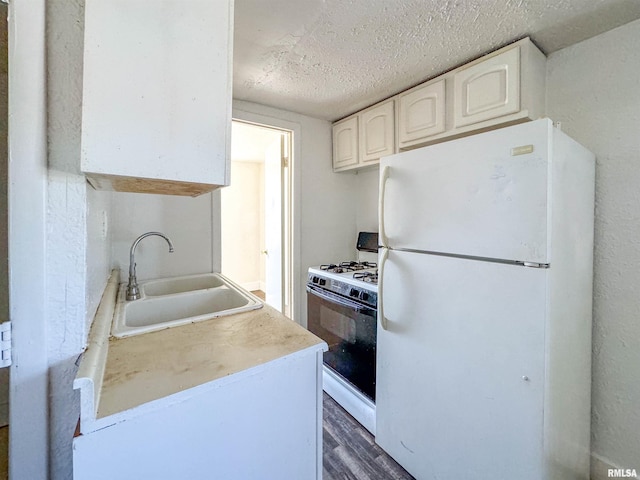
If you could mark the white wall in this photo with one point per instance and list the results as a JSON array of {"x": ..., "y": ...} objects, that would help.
[
  {"x": 593, "y": 89},
  {"x": 186, "y": 221},
  {"x": 367, "y": 182},
  {"x": 242, "y": 207},
  {"x": 98, "y": 250},
  {"x": 78, "y": 252},
  {"x": 324, "y": 203},
  {"x": 367, "y": 186}
]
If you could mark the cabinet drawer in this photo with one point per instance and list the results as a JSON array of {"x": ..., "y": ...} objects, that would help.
[
  {"x": 421, "y": 113},
  {"x": 488, "y": 89},
  {"x": 345, "y": 143}
]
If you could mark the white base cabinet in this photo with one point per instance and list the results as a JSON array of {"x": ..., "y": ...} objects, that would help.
[{"x": 261, "y": 424}]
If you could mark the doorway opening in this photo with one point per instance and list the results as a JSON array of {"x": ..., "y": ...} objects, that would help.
[{"x": 256, "y": 213}]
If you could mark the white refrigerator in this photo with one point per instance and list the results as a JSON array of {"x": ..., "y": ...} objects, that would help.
[{"x": 484, "y": 306}]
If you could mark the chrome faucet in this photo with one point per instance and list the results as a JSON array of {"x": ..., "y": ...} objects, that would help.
[{"x": 133, "y": 293}]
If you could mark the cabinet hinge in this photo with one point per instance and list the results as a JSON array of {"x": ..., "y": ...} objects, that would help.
[{"x": 5, "y": 344}]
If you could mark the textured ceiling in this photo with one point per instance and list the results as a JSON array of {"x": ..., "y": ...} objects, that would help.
[{"x": 330, "y": 58}]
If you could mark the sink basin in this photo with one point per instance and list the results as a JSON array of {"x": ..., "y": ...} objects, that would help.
[
  {"x": 171, "y": 302},
  {"x": 168, "y": 286}
]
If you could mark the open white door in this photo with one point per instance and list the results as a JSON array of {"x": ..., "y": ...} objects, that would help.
[{"x": 273, "y": 224}]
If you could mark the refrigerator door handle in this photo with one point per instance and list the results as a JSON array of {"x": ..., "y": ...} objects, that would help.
[
  {"x": 383, "y": 259},
  {"x": 384, "y": 175}
]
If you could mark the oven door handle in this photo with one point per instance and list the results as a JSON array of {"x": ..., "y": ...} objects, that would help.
[
  {"x": 332, "y": 297},
  {"x": 383, "y": 259}
]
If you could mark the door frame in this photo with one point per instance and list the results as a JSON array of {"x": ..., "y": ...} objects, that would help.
[
  {"x": 294, "y": 199},
  {"x": 27, "y": 186}
]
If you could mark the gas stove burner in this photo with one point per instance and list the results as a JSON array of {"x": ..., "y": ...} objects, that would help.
[
  {"x": 357, "y": 265},
  {"x": 369, "y": 277},
  {"x": 333, "y": 268},
  {"x": 344, "y": 267},
  {"x": 369, "y": 264}
]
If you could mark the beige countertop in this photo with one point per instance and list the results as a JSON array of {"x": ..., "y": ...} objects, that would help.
[{"x": 151, "y": 366}]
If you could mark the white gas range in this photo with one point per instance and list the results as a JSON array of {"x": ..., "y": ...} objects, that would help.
[
  {"x": 342, "y": 310},
  {"x": 355, "y": 280}
]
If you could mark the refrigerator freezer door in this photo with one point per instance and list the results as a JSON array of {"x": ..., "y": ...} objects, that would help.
[
  {"x": 483, "y": 196},
  {"x": 460, "y": 368}
]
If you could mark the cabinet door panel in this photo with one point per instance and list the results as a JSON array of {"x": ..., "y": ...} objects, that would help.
[
  {"x": 377, "y": 132},
  {"x": 488, "y": 89},
  {"x": 345, "y": 143},
  {"x": 421, "y": 113},
  {"x": 156, "y": 90}
]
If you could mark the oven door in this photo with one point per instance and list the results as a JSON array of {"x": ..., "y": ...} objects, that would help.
[{"x": 349, "y": 328}]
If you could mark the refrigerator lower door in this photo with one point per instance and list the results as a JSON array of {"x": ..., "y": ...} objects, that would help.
[
  {"x": 484, "y": 196},
  {"x": 460, "y": 368}
]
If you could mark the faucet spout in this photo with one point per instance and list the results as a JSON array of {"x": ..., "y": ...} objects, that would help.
[{"x": 133, "y": 292}]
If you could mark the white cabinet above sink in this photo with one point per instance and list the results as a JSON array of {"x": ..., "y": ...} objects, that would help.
[{"x": 156, "y": 107}]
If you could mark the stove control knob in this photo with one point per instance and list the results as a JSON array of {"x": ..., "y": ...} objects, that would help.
[
  {"x": 322, "y": 281},
  {"x": 314, "y": 280},
  {"x": 364, "y": 296},
  {"x": 353, "y": 293}
]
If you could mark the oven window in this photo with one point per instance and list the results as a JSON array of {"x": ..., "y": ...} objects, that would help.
[
  {"x": 350, "y": 334},
  {"x": 336, "y": 325}
]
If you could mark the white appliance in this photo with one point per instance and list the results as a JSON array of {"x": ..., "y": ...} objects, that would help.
[
  {"x": 341, "y": 309},
  {"x": 484, "y": 302}
]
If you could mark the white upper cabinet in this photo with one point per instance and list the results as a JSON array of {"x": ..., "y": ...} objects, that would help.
[
  {"x": 488, "y": 89},
  {"x": 361, "y": 139},
  {"x": 501, "y": 88},
  {"x": 156, "y": 110},
  {"x": 377, "y": 132},
  {"x": 345, "y": 143},
  {"x": 421, "y": 112}
]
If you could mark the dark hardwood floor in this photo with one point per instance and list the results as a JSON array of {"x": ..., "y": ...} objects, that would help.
[{"x": 349, "y": 450}]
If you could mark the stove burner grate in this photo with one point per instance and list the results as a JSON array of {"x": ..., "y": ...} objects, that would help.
[
  {"x": 343, "y": 267},
  {"x": 369, "y": 277},
  {"x": 333, "y": 268}
]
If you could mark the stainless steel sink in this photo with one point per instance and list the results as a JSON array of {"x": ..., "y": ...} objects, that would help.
[{"x": 171, "y": 302}]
